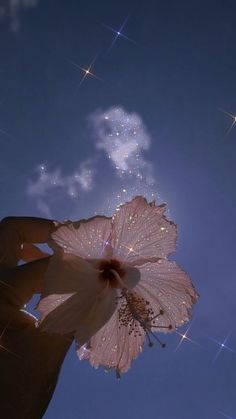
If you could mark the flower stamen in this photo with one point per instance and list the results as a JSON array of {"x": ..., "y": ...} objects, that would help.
[{"x": 134, "y": 312}]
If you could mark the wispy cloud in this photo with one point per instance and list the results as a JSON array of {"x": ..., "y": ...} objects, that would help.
[
  {"x": 124, "y": 139},
  {"x": 10, "y": 10},
  {"x": 48, "y": 183}
]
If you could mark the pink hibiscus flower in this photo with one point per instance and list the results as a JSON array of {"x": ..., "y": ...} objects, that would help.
[{"x": 110, "y": 283}]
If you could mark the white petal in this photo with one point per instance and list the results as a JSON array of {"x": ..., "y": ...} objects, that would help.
[
  {"x": 99, "y": 314},
  {"x": 113, "y": 346},
  {"x": 67, "y": 273},
  {"x": 48, "y": 304},
  {"x": 82, "y": 317},
  {"x": 87, "y": 239},
  {"x": 66, "y": 317},
  {"x": 75, "y": 300},
  {"x": 132, "y": 276},
  {"x": 167, "y": 287},
  {"x": 141, "y": 232}
]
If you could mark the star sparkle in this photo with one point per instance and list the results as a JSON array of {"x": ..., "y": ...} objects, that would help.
[
  {"x": 232, "y": 117},
  {"x": 184, "y": 337},
  {"x": 222, "y": 346},
  {"x": 118, "y": 33},
  {"x": 87, "y": 71},
  {"x": 3, "y": 347}
]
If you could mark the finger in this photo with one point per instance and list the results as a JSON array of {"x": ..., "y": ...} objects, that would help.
[
  {"x": 17, "y": 230},
  {"x": 31, "y": 252},
  {"x": 13, "y": 319},
  {"x": 31, "y": 229},
  {"x": 23, "y": 281}
]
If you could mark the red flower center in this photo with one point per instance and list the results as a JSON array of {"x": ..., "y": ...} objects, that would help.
[{"x": 107, "y": 270}]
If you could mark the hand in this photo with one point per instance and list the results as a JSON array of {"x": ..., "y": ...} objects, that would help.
[{"x": 30, "y": 359}]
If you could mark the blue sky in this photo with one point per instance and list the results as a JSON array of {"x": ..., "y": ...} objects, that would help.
[{"x": 172, "y": 78}]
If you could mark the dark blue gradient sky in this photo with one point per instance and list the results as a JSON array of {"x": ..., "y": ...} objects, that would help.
[{"x": 178, "y": 73}]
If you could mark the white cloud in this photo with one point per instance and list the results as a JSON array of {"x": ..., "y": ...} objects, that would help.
[
  {"x": 11, "y": 9},
  {"x": 124, "y": 139},
  {"x": 47, "y": 183}
]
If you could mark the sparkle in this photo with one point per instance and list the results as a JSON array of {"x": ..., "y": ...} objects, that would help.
[
  {"x": 118, "y": 33},
  {"x": 222, "y": 346},
  {"x": 131, "y": 247},
  {"x": 116, "y": 138},
  {"x": 87, "y": 71},
  {"x": 4, "y": 348},
  {"x": 184, "y": 336},
  {"x": 232, "y": 117}
]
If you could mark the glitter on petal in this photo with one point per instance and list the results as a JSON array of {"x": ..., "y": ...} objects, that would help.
[{"x": 111, "y": 284}]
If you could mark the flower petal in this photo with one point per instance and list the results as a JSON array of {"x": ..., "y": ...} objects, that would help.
[
  {"x": 67, "y": 273},
  {"x": 99, "y": 314},
  {"x": 113, "y": 346},
  {"x": 50, "y": 303},
  {"x": 167, "y": 287},
  {"x": 75, "y": 300},
  {"x": 131, "y": 276},
  {"x": 141, "y": 232},
  {"x": 80, "y": 317},
  {"x": 87, "y": 239}
]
